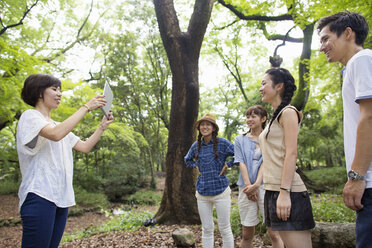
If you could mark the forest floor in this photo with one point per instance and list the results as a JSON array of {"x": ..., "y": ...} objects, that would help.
[{"x": 155, "y": 236}]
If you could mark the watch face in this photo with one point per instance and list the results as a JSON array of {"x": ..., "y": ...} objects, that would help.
[{"x": 352, "y": 175}]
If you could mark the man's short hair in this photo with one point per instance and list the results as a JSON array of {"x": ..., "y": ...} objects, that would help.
[{"x": 340, "y": 21}]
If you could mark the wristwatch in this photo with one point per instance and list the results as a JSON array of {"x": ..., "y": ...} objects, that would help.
[{"x": 353, "y": 175}]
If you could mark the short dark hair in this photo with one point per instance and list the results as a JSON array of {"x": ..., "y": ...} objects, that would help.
[
  {"x": 35, "y": 86},
  {"x": 341, "y": 20}
]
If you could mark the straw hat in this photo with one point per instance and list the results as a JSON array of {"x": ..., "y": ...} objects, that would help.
[{"x": 207, "y": 117}]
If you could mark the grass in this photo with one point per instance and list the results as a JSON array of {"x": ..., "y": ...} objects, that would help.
[
  {"x": 128, "y": 221},
  {"x": 331, "y": 208}
]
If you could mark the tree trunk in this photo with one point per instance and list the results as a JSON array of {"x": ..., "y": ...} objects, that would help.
[
  {"x": 300, "y": 99},
  {"x": 183, "y": 49}
]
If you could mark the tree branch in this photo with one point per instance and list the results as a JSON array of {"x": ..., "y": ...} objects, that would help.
[
  {"x": 78, "y": 39},
  {"x": 284, "y": 17},
  {"x": 285, "y": 37},
  {"x": 3, "y": 30}
]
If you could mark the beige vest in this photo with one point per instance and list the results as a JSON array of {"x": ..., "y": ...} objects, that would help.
[{"x": 273, "y": 152}]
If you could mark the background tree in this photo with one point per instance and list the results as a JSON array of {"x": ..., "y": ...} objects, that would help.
[
  {"x": 183, "y": 49},
  {"x": 24, "y": 26}
]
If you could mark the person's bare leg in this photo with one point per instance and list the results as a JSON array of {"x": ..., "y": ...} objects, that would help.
[
  {"x": 247, "y": 237},
  {"x": 295, "y": 239},
  {"x": 276, "y": 241}
]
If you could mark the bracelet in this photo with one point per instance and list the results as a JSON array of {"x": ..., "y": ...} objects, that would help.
[
  {"x": 102, "y": 127},
  {"x": 288, "y": 190},
  {"x": 86, "y": 107}
]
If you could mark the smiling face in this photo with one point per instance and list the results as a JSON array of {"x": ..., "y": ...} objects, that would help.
[
  {"x": 268, "y": 90},
  {"x": 206, "y": 128},
  {"x": 52, "y": 97},
  {"x": 254, "y": 121},
  {"x": 333, "y": 46}
]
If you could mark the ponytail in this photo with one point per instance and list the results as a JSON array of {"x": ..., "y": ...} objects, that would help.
[{"x": 281, "y": 75}]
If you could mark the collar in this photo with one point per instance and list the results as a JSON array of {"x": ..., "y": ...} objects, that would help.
[{"x": 210, "y": 142}]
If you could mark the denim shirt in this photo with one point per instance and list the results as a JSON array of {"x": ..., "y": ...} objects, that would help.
[
  {"x": 209, "y": 183},
  {"x": 244, "y": 151}
]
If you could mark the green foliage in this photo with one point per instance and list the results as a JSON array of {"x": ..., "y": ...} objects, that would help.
[
  {"x": 236, "y": 226},
  {"x": 89, "y": 199},
  {"x": 233, "y": 175},
  {"x": 90, "y": 181},
  {"x": 128, "y": 221},
  {"x": 332, "y": 179},
  {"x": 145, "y": 197},
  {"x": 331, "y": 208},
  {"x": 8, "y": 187},
  {"x": 124, "y": 179}
]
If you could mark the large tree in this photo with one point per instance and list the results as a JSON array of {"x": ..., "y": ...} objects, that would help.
[{"x": 183, "y": 49}]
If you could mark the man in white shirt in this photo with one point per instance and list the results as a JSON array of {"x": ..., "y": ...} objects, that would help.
[{"x": 342, "y": 36}]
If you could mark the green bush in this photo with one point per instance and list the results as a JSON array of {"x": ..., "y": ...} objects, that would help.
[
  {"x": 8, "y": 187},
  {"x": 90, "y": 199},
  {"x": 88, "y": 180},
  {"x": 145, "y": 197},
  {"x": 123, "y": 178},
  {"x": 331, "y": 208},
  {"x": 333, "y": 179}
]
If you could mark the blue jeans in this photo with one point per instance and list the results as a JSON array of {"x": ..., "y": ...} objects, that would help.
[
  {"x": 42, "y": 221},
  {"x": 363, "y": 228}
]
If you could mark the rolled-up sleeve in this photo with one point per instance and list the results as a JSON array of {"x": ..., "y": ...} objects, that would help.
[
  {"x": 189, "y": 158},
  {"x": 28, "y": 130},
  {"x": 238, "y": 154}
]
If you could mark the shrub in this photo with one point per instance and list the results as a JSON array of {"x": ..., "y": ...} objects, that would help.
[
  {"x": 333, "y": 178},
  {"x": 145, "y": 197},
  {"x": 123, "y": 178},
  {"x": 8, "y": 187},
  {"x": 88, "y": 180},
  {"x": 90, "y": 199},
  {"x": 331, "y": 208}
]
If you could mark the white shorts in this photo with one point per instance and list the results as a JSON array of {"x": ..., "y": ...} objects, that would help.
[{"x": 248, "y": 209}]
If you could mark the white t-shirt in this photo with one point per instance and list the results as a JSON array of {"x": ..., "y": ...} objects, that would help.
[
  {"x": 357, "y": 85},
  {"x": 46, "y": 166}
]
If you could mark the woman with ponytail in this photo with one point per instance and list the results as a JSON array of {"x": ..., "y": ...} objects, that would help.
[
  {"x": 208, "y": 154},
  {"x": 287, "y": 203},
  {"x": 251, "y": 191}
]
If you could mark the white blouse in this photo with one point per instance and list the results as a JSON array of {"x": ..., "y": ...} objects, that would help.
[{"x": 46, "y": 165}]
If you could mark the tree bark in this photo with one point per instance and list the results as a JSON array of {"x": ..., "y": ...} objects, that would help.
[
  {"x": 302, "y": 95},
  {"x": 183, "y": 49}
]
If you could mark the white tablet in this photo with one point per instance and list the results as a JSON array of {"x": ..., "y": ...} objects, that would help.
[{"x": 107, "y": 92}]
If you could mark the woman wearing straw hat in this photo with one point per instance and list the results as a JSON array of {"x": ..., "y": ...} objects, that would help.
[{"x": 208, "y": 154}]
